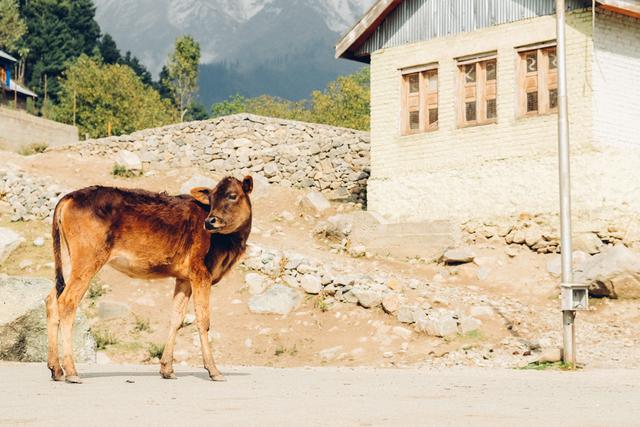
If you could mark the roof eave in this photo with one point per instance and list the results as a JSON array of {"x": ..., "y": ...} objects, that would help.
[
  {"x": 362, "y": 29},
  {"x": 621, "y": 7}
]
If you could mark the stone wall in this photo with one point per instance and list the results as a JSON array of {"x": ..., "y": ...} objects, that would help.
[
  {"x": 303, "y": 155},
  {"x": 19, "y": 129}
]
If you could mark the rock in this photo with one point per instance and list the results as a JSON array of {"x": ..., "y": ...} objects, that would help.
[
  {"x": 483, "y": 273},
  {"x": 458, "y": 256},
  {"x": 405, "y": 314},
  {"x": 330, "y": 353},
  {"x": 23, "y": 325},
  {"x": 311, "y": 284},
  {"x": 279, "y": 299},
  {"x": 482, "y": 311},
  {"x": 587, "y": 242},
  {"x": 511, "y": 251},
  {"x": 196, "y": 181},
  {"x": 368, "y": 298},
  {"x": 112, "y": 309},
  {"x": 550, "y": 355},
  {"x": 129, "y": 160},
  {"x": 614, "y": 273},
  {"x": 257, "y": 283},
  {"x": 38, "y": 241},
  {"x": 357, "y": 251},
  {"x": 469, "y": 324},
  {"x": 25, "y": 263},
  {"x": 532, "y": 236},
  {"x": 9, "y": 241},
  {"x": 441, "y": 326},
  {"x": 189, "y": 319},
  {"x": 315, "y": 202},
  {"x": 391, "y": 302},
  {"x": 554, "y": 265}
]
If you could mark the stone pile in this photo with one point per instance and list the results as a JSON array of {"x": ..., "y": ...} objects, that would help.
[
  {"x": 30, "y": 197},
  {"x": 538, "y": 234},
  {"x": 332, "y": 160},
  {"x": 277, "y": 280}
]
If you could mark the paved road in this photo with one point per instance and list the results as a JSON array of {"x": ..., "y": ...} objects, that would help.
[{"x": 118, "y": 395}]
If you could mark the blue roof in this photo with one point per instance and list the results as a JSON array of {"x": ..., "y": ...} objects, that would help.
[{"x": 5, "y": 55}]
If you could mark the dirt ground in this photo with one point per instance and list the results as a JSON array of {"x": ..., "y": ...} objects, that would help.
[
  {"x": 518, "y": 289},
  {"x": 257, "y": 396}
]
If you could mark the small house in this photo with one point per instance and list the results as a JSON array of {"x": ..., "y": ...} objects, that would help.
[
  {"x": 464, "y": 106},
  {"x": 13, "y": 94}
]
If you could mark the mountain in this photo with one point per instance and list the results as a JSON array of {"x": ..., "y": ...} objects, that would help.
[{"x": 276, "y": 47}]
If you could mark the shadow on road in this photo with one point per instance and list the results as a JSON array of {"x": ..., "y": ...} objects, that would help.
[{"x": 201, "y": 375}]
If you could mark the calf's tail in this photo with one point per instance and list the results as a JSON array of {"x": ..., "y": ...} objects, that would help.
[{"x": 57, "y": 254}]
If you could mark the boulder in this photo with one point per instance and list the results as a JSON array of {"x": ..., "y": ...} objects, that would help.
[
  {"x": 196, "y": 181},
  {"x": 458, "y": 256},
  {"x": 554, "y": 265},
  {"x": 614, "y": 273},
  {"x": 23, "y": 324},
  {"x": 587, "y": 242},
  {"x": 405, "y": 314},
  {"x": 129, "y": 160},
  {"x": 311, "y": 284},
  {"x": 391, "y": 302},
  {"x": 256, "y": 283},
  {"x": 469, "y": 324},
  {"x": 315, "y": 202},
  {"x": 279, "y": 299},
  {"x": 368, "y": 298},
  {"x": 9, "y": 241},
  {"x": 440, "y": 326}
]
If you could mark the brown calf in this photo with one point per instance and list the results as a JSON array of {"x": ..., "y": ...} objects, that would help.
[{"x": 195, "y": 239}]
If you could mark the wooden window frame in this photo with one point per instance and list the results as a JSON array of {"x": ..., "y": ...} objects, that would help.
[
  {"x": 425, "y": 99},
  {"x": 480, "y": 91},
  {"x": 545, "y": 78}
]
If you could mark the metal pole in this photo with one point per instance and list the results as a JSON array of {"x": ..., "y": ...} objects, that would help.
[{"x": 568, "y": 316}]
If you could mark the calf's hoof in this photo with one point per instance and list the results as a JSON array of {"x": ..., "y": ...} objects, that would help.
[
  {"x": 168, "y": 375},
  {"x": 57, "y": 374},
  {"x": 218, "y": 377},
  {"x": 73, "y": 379}
]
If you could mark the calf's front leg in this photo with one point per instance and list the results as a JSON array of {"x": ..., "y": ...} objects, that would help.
[
  {"x": 181, "y": 297},
  {"x": 201, "y": 291}
]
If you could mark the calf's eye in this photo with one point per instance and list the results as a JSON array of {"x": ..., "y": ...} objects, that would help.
[{"x": 232, "y": 197}]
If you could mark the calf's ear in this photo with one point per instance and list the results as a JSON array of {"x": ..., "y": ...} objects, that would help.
[
  {"x": 201, "y": 194},
  {"x": 247, "y": 184}
]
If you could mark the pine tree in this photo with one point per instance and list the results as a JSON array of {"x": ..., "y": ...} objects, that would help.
[{"x": 109, "y": 50}]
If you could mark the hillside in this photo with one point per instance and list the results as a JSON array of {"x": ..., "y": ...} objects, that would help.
[{"x": 278, "y": 47}]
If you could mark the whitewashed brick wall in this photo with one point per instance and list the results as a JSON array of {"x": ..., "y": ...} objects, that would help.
[
  {"x": 500, "y": 169},
  {"x": 616, "y": 80}
]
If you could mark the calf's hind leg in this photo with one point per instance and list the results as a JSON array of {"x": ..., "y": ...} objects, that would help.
[
  {"x": 53, "y": 324},
  {"x": 181, "y": 297},
  {"x": 82, "y": 271}
]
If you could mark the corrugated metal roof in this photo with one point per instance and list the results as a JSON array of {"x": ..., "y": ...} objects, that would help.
[
  {"x": 5, "y": 55},
  {"x": 420, "y": 20},
  {"x": 393, "y": 23},
  {"x": 15, "y": 87}
]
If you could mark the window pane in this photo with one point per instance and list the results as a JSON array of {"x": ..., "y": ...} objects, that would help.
[
  {"x": 470, "y": 111},
  {"x": 470, "y": 73},
  {"x": 553, "y": 98},
  {"x": 532, "y": 61},
  {"x": 414, "y": 85},
  {"x": 532, "y": 101},
  {"x": 491, "y": 109},
  {"x": 433, "y": 116},
  {"x": 414, "y": 120},
  {"x": 432, "y": 81},
  {"x": 553, "y": 59},
  {"x": 491, "y": 70}
]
